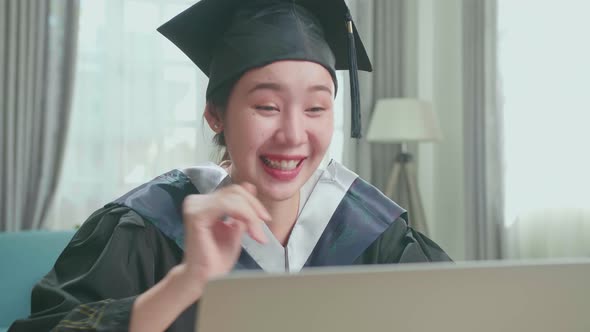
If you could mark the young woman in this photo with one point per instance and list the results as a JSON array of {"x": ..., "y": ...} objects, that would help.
[{"x": 142, "y": 261}]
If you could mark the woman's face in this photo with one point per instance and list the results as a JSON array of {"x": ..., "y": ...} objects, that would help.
[{"x": 278, "y": 125}]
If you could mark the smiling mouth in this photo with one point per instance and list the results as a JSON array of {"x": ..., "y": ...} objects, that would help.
[{"x": 283, "y": 165}]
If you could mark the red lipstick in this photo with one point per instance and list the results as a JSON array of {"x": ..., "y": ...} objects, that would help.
[{"x": 279, "y": 174}]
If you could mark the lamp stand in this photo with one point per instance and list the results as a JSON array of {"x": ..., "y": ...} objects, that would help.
[{"x": 404, "y": 170}]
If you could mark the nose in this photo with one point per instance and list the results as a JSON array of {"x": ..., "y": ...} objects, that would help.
[{"x": 292, "y": 129}]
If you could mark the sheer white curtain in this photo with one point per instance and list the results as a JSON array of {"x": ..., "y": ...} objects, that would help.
[
  {"x": 545, "y": 75},
  {"x": 137, "y": 109}
]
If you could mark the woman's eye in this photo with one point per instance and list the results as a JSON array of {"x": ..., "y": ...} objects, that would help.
[
  {"x": 266, "y": 108},
  {"x": 316, "y": 109}
]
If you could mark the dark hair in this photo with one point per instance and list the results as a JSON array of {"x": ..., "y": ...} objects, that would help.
[{"x": 219, "y": 99}]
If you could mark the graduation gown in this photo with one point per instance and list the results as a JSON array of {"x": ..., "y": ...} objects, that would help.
[{"x": 130, "y": 244}]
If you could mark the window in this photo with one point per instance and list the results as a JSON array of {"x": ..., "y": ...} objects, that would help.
[
  {"x": 545, "y": 75},
  {"x": 137, "y": 107}
]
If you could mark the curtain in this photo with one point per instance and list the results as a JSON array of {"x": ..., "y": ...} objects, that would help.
[
  {"x": 136, "y": 110},
  {"x": 388, "y": 77},
  {"x": 482, "y": 132},
  {"x": 383, "y": 27},
  {"x": 37, "y": 48},
  {"x": 545, "y": 74},
  {"x": 381, "y": 24},
  {"x": 549, "y": 233},
  {"x": 357, "y": 152}
]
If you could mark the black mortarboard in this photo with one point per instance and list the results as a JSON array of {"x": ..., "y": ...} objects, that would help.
[{"x": 225, "y": 38}]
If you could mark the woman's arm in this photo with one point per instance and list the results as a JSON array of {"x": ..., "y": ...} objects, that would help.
[
  {"x": 157, "y": 308},
  {"x": 119, "y": 271}
]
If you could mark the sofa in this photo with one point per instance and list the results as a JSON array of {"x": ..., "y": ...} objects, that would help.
[{"x": 25, "y": 257}]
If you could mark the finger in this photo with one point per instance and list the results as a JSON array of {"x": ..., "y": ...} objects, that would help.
[
  {"x": 249, "y": 186},
  {"x": 211, "y": 209},
  {"x": 234, "y": 226},
  {"x": 249, "y": 191},
  {"x": 226, "y": 203},
  {"x": 238, "y": 226},
  {"x": 237, "y": 207}
]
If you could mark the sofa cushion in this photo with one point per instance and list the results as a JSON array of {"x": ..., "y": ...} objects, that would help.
[{"x": 25, "y": 257}]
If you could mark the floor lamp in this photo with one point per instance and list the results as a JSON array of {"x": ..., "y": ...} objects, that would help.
[{"x": 403, "y": 121}]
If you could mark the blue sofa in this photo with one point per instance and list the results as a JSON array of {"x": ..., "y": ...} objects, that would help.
[{"x": 25, "y": 257}]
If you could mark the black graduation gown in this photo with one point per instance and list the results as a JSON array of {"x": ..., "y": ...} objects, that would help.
[{"x": 129, "y": 245}]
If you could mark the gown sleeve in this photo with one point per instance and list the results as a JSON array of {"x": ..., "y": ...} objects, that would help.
[
  {"x": 96, "y": 279},
  {"x": 402, "y": 244}
]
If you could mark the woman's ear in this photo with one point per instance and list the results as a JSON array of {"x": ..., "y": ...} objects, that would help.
[{"x": 213, "y": 118}]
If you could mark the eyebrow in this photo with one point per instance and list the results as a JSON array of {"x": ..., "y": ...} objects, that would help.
[
  {"x": 266, "y": 86},
  {"x": 277, "y": 87},
  {"x": 320, "y": 87}
]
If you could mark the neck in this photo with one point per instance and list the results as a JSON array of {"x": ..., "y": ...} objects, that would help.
[{"x": 284, "y": 215}]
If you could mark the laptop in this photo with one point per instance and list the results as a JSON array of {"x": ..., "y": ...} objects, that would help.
[{"x": 471, "y": 296}]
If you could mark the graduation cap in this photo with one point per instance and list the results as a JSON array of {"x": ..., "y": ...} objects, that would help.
[{"x": 225, "y": 38}]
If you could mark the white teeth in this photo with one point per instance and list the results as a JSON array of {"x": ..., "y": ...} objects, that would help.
[{"x": 284, "y": 165}]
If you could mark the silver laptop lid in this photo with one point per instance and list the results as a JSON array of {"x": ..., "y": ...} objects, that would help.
[{"x": 487, "y": 296}]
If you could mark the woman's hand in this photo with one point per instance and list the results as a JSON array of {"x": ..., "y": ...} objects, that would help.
[{"x": 214, "y": 225}]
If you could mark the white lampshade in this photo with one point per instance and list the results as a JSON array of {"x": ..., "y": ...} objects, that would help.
[{"x": 403, "y": 120}]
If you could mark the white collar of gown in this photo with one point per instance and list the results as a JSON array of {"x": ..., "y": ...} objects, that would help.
[{"x": 319, "y": 198}]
